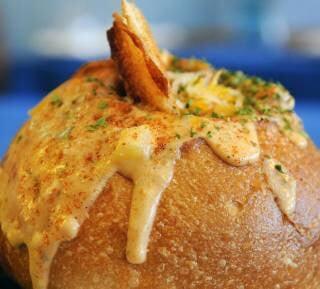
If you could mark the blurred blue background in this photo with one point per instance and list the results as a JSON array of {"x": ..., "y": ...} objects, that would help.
[{"x": 43, "y": 42}]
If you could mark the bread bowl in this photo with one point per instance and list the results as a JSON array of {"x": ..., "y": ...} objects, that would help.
[{"x": 149, "y": 171}]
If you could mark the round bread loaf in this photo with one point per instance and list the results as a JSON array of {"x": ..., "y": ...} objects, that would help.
[
  {"x": 217, "y": 226},
  {"x": 149, "y": 171}
]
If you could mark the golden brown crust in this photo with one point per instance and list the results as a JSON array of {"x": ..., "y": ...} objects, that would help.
[{"x": 217, "y": 226}]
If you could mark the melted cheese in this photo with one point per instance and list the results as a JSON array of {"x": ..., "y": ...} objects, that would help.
[
  {"x": 295, "y": 132},
  {"x": 152, "y": 173},
  {"x": 282, "y": 184},
  {"x": 204, "y": 91},
  {"x": 45, "y": 198},
  {"x": 43, "y": 220}
]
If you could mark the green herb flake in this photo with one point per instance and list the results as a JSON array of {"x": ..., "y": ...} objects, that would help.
[
  {"x": 192, "y": 133},
  {"x": 197, "y": 80},
  {"x": 93, "y": 79},
  {"x": 245, "y": 111},
  {"x": 243, "y": 121},
  {"x": 188, "y": 103},
  {"x": 178, "y": 136},
  {"x": 196, "y": 111},
  {"x": 181, "y": 89},
  {"x": 276, "y": 96},
  {"x": 203, "y": 125},
  {"x": 254, "y": 89},
  {"x": 304, "y": 134},
  {"x": 101, "y": 122},
  {"x": 175, "y": 64},
  {"x": 111, "y": 88},
  {"x": 287, "y": 124},
  {"x": 257, "y": 80},
  {"x": 65, "y": 134},
  {"x": 209, "y": 134},
  {"x": 278, "y": 167},
  {"x": 215, "y": 115},
  {"x": 56, "y": 100},
  {"x": 266, "y": 110},
  {"x": 238, "y": 78},
  {"x": 102, "y": 104},
  {"x": 249, "y": 101}
]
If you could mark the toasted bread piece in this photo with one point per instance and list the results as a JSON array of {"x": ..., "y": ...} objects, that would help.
[{"x": 138, "y": 58}]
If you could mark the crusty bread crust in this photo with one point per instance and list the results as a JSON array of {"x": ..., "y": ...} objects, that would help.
[{"x": 217, "y": 226}]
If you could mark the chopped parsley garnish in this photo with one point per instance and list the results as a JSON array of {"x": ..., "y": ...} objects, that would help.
[
  {"x": 95, "y": 79},
  {"x": 249, "y": 101},
  {"x": 197, "y": 80},
  {"x": 266, "y": 110},
  {"x": 181, "y": 89},
  {"x": 112, "y": 88},
  {"x": 276, "y": 96},
  {"x": 303, "y": 133},
  {"x": 287, "y": 124},
  {"x": 102, "y": 104},
  {"x": 101, "y": 122},
  {"x": 243, "y": 121},
  {"x": 196, "y": 111},
  {"x": 215, "y": 115},
  {"x": 178, "y": 136},
  {"x": 278, "y": 167},
  {"x": 188, "y": 103},
  {"x": 209, "y": 134},
  {"x": 203, "y": 124},
  {"x": 192, "y": 133},
  {"x": 65, "y": 134},
  {"x": 247, "y": 110},
  {"x": 56, "y": 100},
  {"x": 175, "y": 64},
  {"x": 232, "y": 79},
  {"x": 175, "y": 60},
  {"x": 262, "y": 97},
  {"x": 258, "y": 80}
]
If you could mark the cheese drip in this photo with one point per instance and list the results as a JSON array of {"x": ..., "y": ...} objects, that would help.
[
  {"x": 282, "y": 184},
  {"x": 152, "y": 173},
  {"x": 44, "y": 221}
]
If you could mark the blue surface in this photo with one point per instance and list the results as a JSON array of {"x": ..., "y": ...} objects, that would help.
[{"x": 13, "y": 113}]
